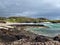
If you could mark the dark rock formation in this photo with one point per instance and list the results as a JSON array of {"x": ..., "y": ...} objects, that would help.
[
  {"x": 53, "y": 22},
  {"x": 21, "y": 37},
  {"x": 41, "y": 38},
  {"x": 57, "y": 38},
  {"x": 8, "y": 38}
]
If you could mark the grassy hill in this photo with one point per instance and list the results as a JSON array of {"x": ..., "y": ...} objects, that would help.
[{"x": 27, "y": 20}]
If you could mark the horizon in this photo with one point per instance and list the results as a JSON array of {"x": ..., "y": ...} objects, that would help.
[{"x": 49, "y": 9}]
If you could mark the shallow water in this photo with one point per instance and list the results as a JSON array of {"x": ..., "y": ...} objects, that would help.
[{"x": 53, "y": 30}]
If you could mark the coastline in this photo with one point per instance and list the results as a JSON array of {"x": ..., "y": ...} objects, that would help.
[
  {"x": 19, "y": 35},
  {"x": 27, "y": 37}
]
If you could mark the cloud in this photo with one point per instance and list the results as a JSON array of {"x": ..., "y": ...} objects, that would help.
[{"x": 30, "y": 8}]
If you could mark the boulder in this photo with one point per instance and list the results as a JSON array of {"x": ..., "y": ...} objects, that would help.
[
  {"x": 8, "y": 38},
  {"x": 57, "y": 38},
  {"x": 41, "y": 38},
  {"x": 20, "y": 36}
]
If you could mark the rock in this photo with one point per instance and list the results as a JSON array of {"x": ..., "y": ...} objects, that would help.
[
  {"x": 8, "y": 38},
  {"x": 57, "y": 38},
  {"x": 20, "y": 36},
  {"x": 53, "y": 22},
  {"x": 41, "y": 38}
]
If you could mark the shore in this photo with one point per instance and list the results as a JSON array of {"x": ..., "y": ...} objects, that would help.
[
  {"x": 23, "y": 37},
  {"x": 18, "y": 35}
]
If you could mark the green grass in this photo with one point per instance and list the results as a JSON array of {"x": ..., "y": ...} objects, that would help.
[{"x": 27, "y": 20}]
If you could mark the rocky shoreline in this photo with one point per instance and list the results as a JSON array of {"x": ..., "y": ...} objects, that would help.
[{"x": 23, "y": 37}]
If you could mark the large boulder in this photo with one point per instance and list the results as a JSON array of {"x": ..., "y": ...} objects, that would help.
[
  {"x": 41, "y": 38},
  {"x": 57, "y": 38}
]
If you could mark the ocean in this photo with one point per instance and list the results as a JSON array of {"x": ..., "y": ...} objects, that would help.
[{"x": 53, "y": 30}]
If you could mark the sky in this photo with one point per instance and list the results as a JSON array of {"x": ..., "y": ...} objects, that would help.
[{"x": 30, "y": 8}]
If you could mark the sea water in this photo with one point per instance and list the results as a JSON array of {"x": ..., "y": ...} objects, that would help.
[{"x": 53, "y": 30}]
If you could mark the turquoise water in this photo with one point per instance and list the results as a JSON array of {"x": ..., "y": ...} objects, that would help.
[{"x": 53, "y": 30}]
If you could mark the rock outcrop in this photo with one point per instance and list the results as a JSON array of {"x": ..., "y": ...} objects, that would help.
[
  {"x": 23, "y": 37},
  {"x": 41, "y": 38},
  {"x": 57, "y": 38}
]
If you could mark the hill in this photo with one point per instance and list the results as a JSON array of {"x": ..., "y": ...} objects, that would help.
[{"x": 27, "y": 20}]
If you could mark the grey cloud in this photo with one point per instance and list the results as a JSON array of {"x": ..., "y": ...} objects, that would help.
[{"x": 30, "y": 8}]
